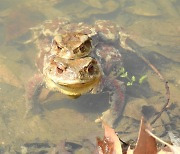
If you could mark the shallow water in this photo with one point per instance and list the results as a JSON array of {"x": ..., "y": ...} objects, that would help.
[{"x": 154, "y": 31}]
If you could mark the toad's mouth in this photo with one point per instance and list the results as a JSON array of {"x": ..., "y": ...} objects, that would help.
[{"x": 75, "y": 88}]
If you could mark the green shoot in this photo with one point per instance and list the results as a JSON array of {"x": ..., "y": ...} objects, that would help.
[
  {"x": 142, "y": 79},
  {"x": 132, "y": 79}
]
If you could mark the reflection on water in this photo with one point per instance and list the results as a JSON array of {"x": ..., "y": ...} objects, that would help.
[{"x": 155, "y": 31}]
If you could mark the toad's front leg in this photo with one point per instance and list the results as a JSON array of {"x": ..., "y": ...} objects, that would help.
[
  {"x": 116, "y": 91},
  {"x": 33, "y": 91}
]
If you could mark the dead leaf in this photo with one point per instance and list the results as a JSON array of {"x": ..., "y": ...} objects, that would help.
[
  {"x": 163, "y": 151},
  {"x": 26, "y": 19},
  {"x": 110, "y": 144},
  {"x": 105, "y": 146},
  {"x": 130, "y": 151},
  {"x": 93, "y": 3},
  {"x": 8, "y": 77},
  {"x": 110, "y": 133},
  {"x": 146, "y": 144},
  {"x": 175, "y": 149}
]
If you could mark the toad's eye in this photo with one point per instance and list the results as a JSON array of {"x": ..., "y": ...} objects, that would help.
[
  {"x": 61, "y": 67},
  {"x": 82, "y": 48},
  {"x": 91, "y": 69},
  {"x": 85, "y": 46},
  {"x": 88, "y": 43},
  {"x": 59, "y": 70}
]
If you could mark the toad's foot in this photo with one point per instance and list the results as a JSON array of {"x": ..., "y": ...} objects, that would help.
[
  {"x": 36, "y": 110},
  {"x": 117, "y": 101},
  {"x": 108, "y": 117},
  {"x": 33, "y": 91}
]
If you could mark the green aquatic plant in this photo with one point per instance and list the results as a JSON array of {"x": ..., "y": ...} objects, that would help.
[
  {"x": 142, "y": 79},
  {"x": 124, "y": 74}
]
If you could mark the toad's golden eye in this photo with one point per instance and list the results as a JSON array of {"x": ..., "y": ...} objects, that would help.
[
  {"x": 91, "y": 69},
  {"x": 61, "y": 67},
  {"x": 86, "y": 46},
  {"x": 59, "y": 70},
  {"x": 88, "y": 43},
  {"x": 82, "y": 48}
]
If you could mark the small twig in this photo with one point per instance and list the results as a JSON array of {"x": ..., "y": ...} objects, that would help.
[
  {"x": 166, "y": 87},
  {"x": 165, "y": 105},
  {"x": 175, "y": 149},
  {"x": 157, "y": 138},
  {"x": 161, "y": 78},
  {"x": 152, "y": 66}
]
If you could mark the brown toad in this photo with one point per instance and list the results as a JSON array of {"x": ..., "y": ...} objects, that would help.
[{"x": 76, "y": 58}]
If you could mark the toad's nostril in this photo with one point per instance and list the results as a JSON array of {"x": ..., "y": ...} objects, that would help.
[
  {"x": 75, "y": 51},
  {"x": 59, "y": 48},
  {"x": 55, "y": 44}
]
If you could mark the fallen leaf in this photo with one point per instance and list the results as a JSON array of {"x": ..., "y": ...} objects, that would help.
[
  {"x": 93, "y": 3},
  {"x": 146, "y": 144},
  {"x": 175, "y": 149},
  {"x": 111, "y": 143},
  {"x": 26, "y": 19},
  {"x": 110, "y": 133},
  {"x": 164, "y": 152},
  {"x": 8, "y": 77},
  {"x": 104, "y": 146},
  {"x": 130, "y": 151}
]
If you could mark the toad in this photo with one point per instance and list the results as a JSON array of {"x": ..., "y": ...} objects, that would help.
[{"x": 78, "y": 58}]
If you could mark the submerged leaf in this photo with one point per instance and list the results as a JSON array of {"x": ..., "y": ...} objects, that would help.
[{"x": 8, "y": 77}]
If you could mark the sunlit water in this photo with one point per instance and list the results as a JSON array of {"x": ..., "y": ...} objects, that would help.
[{"x": 154, "y": 28}]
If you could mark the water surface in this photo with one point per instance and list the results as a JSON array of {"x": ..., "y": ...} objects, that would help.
[{"x": 154, "y": 31}]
